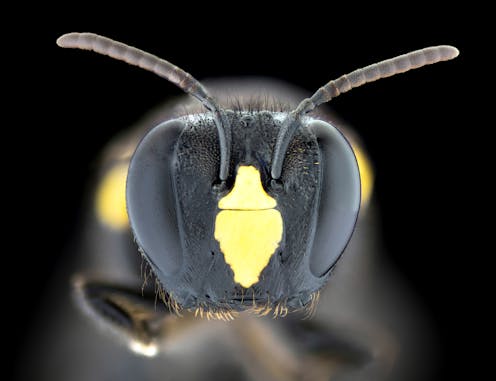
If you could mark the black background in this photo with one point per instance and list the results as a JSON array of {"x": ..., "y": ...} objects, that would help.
[{"x": 70, "y": 104}]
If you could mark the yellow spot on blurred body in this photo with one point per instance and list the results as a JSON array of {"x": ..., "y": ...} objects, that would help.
[
  {"x": 366, "y": 175},
  {"x": 111, "y": 198},
  {"x": 250, "y": 230}
]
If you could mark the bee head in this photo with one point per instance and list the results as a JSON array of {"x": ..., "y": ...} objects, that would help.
[{"x": 237, "y": 210}]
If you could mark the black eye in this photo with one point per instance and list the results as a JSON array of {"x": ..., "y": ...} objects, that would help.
[
  {"x": 151, "y": 202},
  {"x": 339, "y": 197}
]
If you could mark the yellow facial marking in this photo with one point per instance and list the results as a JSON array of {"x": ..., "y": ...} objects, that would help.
[
  {"x": 111, "y": 198},
  {"x": 248, "y": 192},
  {"x": 250, "y": 230}
]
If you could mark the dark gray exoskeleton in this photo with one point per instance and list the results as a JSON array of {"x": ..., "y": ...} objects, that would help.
[{"x": 186, "y": 171}]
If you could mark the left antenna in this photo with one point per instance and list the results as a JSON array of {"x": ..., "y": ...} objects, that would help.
[{"x": 162, "y": 68}]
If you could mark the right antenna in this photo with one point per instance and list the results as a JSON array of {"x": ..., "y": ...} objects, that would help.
[{"x": 346, "y": 82}]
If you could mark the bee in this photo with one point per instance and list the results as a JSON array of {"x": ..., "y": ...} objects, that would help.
[{"x": 240, "y": 210}]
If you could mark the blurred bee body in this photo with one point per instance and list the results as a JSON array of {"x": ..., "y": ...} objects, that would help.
[{"x": 348, "y": 329}]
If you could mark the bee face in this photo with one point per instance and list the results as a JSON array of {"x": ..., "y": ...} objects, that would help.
[{"x": 250, "y": 241}]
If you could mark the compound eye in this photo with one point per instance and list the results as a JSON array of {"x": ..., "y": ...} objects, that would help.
[
  {"x": 339, "y": 197},
  {"x": 150, "y": 197}
]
